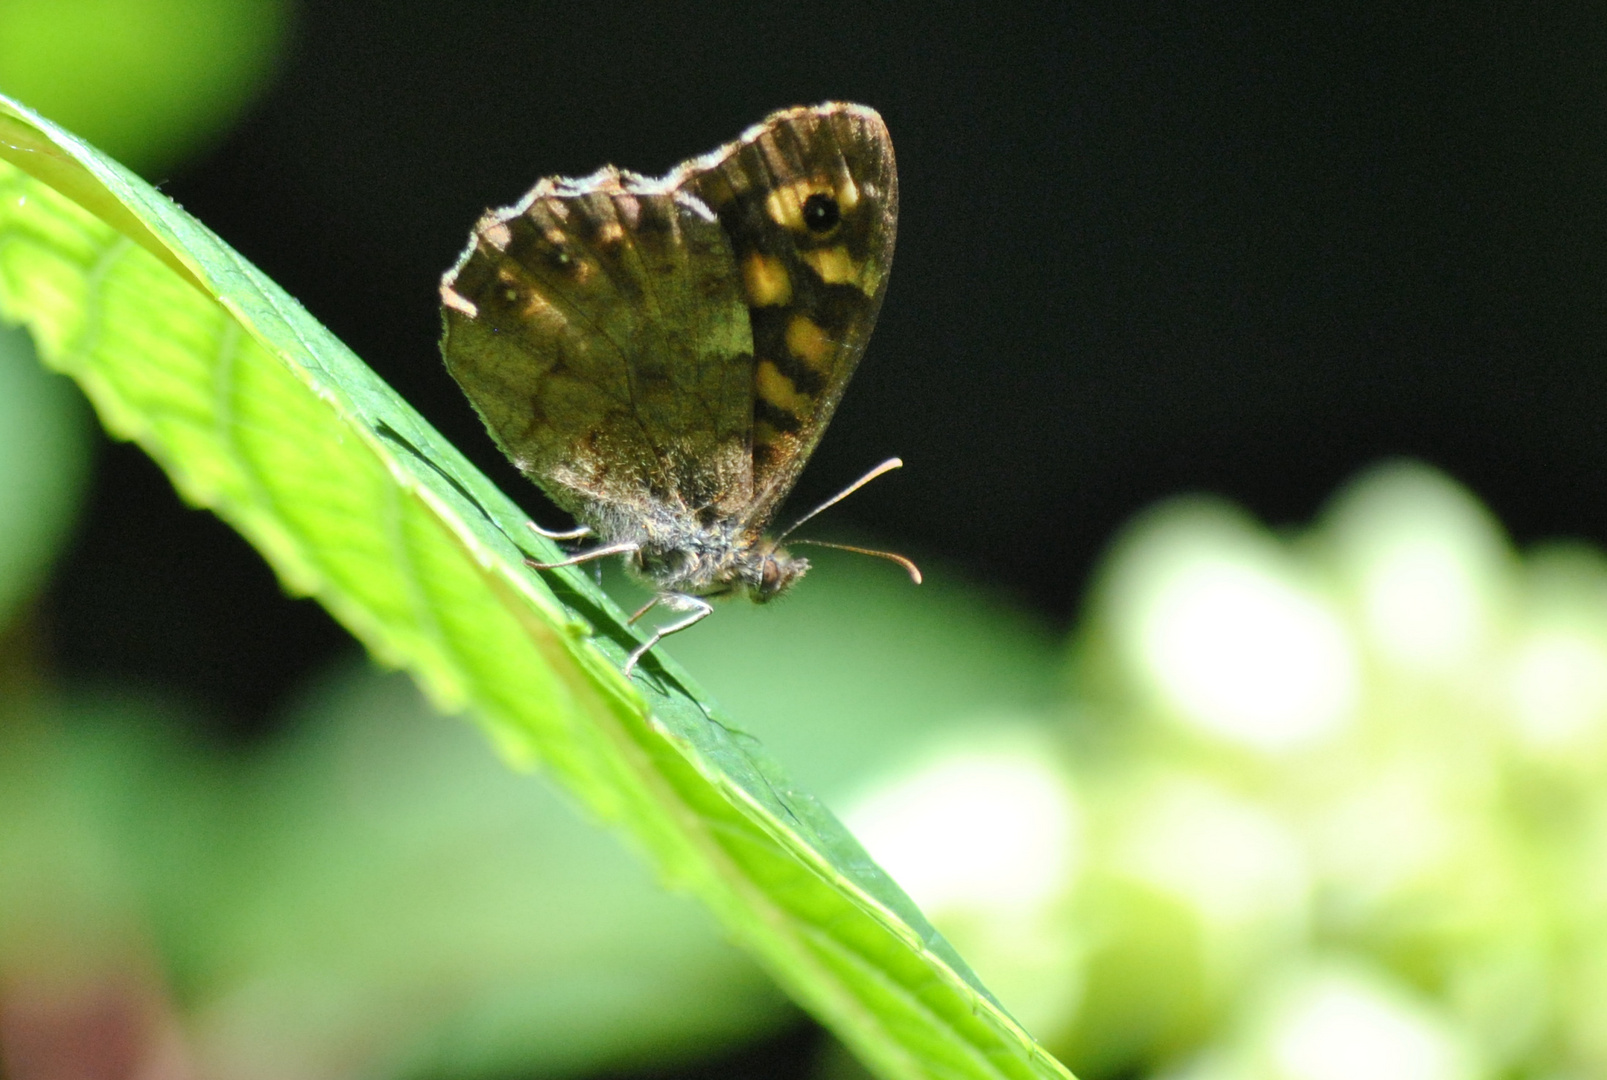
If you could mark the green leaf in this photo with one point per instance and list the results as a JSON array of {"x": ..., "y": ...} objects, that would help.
[{"x": 258, "y": 413}]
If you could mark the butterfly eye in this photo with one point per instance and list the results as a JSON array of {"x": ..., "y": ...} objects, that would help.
[{"x": 820, "y": 213}]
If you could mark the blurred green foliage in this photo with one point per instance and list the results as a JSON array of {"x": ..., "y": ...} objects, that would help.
[
  {"x": 374, "y": 889},
  {"x": 148, "y": 81},
  {"x": 45, "y": 439}
]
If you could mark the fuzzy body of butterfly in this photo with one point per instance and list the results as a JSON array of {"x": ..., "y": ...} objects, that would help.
[{"x": 662, "y": 355}]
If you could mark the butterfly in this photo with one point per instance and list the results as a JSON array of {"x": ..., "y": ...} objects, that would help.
[{"x": 662, "y": 355}]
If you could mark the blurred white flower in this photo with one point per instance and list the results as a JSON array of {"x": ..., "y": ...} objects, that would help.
[
  {"x": 1557, "y": 680},
  {"x": 1215, "y": 618},
  {"x": 994, "y": 826},
  {"x": 1344, "y": 1022},
  {"x": 1336, "y": 1021},
  {"x": 1556, "y": 668},
  {"x": 1231, "y": 862},
  {"x": 987, "y": 838},
  {"x": 1389, "y": 831},
  {"x": 1426, "y": 562}
]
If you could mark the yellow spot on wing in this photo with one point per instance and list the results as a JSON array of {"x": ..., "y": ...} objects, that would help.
[
  {"x": 776, "y": 388},
  {"x": 784, "y": 207},
  {"x": 785, "y": 203},
  {"x": 808, "y": 342},
  {"x": 847, "y": 194},
  {"x": 764, "y": 434},
  {"x": 834, "y": 265},
  {"x": 765, "y": 280}
]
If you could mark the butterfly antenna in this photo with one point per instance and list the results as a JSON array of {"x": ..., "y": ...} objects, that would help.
[
  {"x": 914, "y": 571},
  {"x": 887, "y": 466}
]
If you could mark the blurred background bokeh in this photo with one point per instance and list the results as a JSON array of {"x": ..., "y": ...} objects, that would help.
[{"x": 1252, "y": 724}]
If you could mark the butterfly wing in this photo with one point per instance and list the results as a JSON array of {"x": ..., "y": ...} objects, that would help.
[
  {"x": 596, "y": 328},
  {"x": 674, "y": 348},
  {"x": 809, "y": 202}
]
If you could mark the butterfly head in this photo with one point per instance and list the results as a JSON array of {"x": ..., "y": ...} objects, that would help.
[{"x": 777, "y": 571}]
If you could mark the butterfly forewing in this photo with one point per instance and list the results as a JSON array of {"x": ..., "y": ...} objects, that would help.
[{"x": 809, "y": 201}]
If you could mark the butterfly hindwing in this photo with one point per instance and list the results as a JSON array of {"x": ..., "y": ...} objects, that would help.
[{"x": 598, "y": 330}]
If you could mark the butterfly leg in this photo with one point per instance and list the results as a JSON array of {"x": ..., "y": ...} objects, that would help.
[
  {"x": 621, "y": 548},
  {"x": 573, "y": 534},
  {"x": 698, "y": 609},
  {"x": 643, "y": 610}
]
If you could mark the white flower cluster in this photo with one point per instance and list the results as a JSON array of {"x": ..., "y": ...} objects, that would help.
[{"x": 1329, "y": 804}]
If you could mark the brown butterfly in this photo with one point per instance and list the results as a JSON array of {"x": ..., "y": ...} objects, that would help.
[{"x": 662, "y": 355}]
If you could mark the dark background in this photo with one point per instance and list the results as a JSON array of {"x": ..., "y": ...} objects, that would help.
[{"x": 1143, "y": 249}]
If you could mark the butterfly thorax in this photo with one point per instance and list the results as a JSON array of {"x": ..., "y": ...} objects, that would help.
[{"x": 721, "y": 558}]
